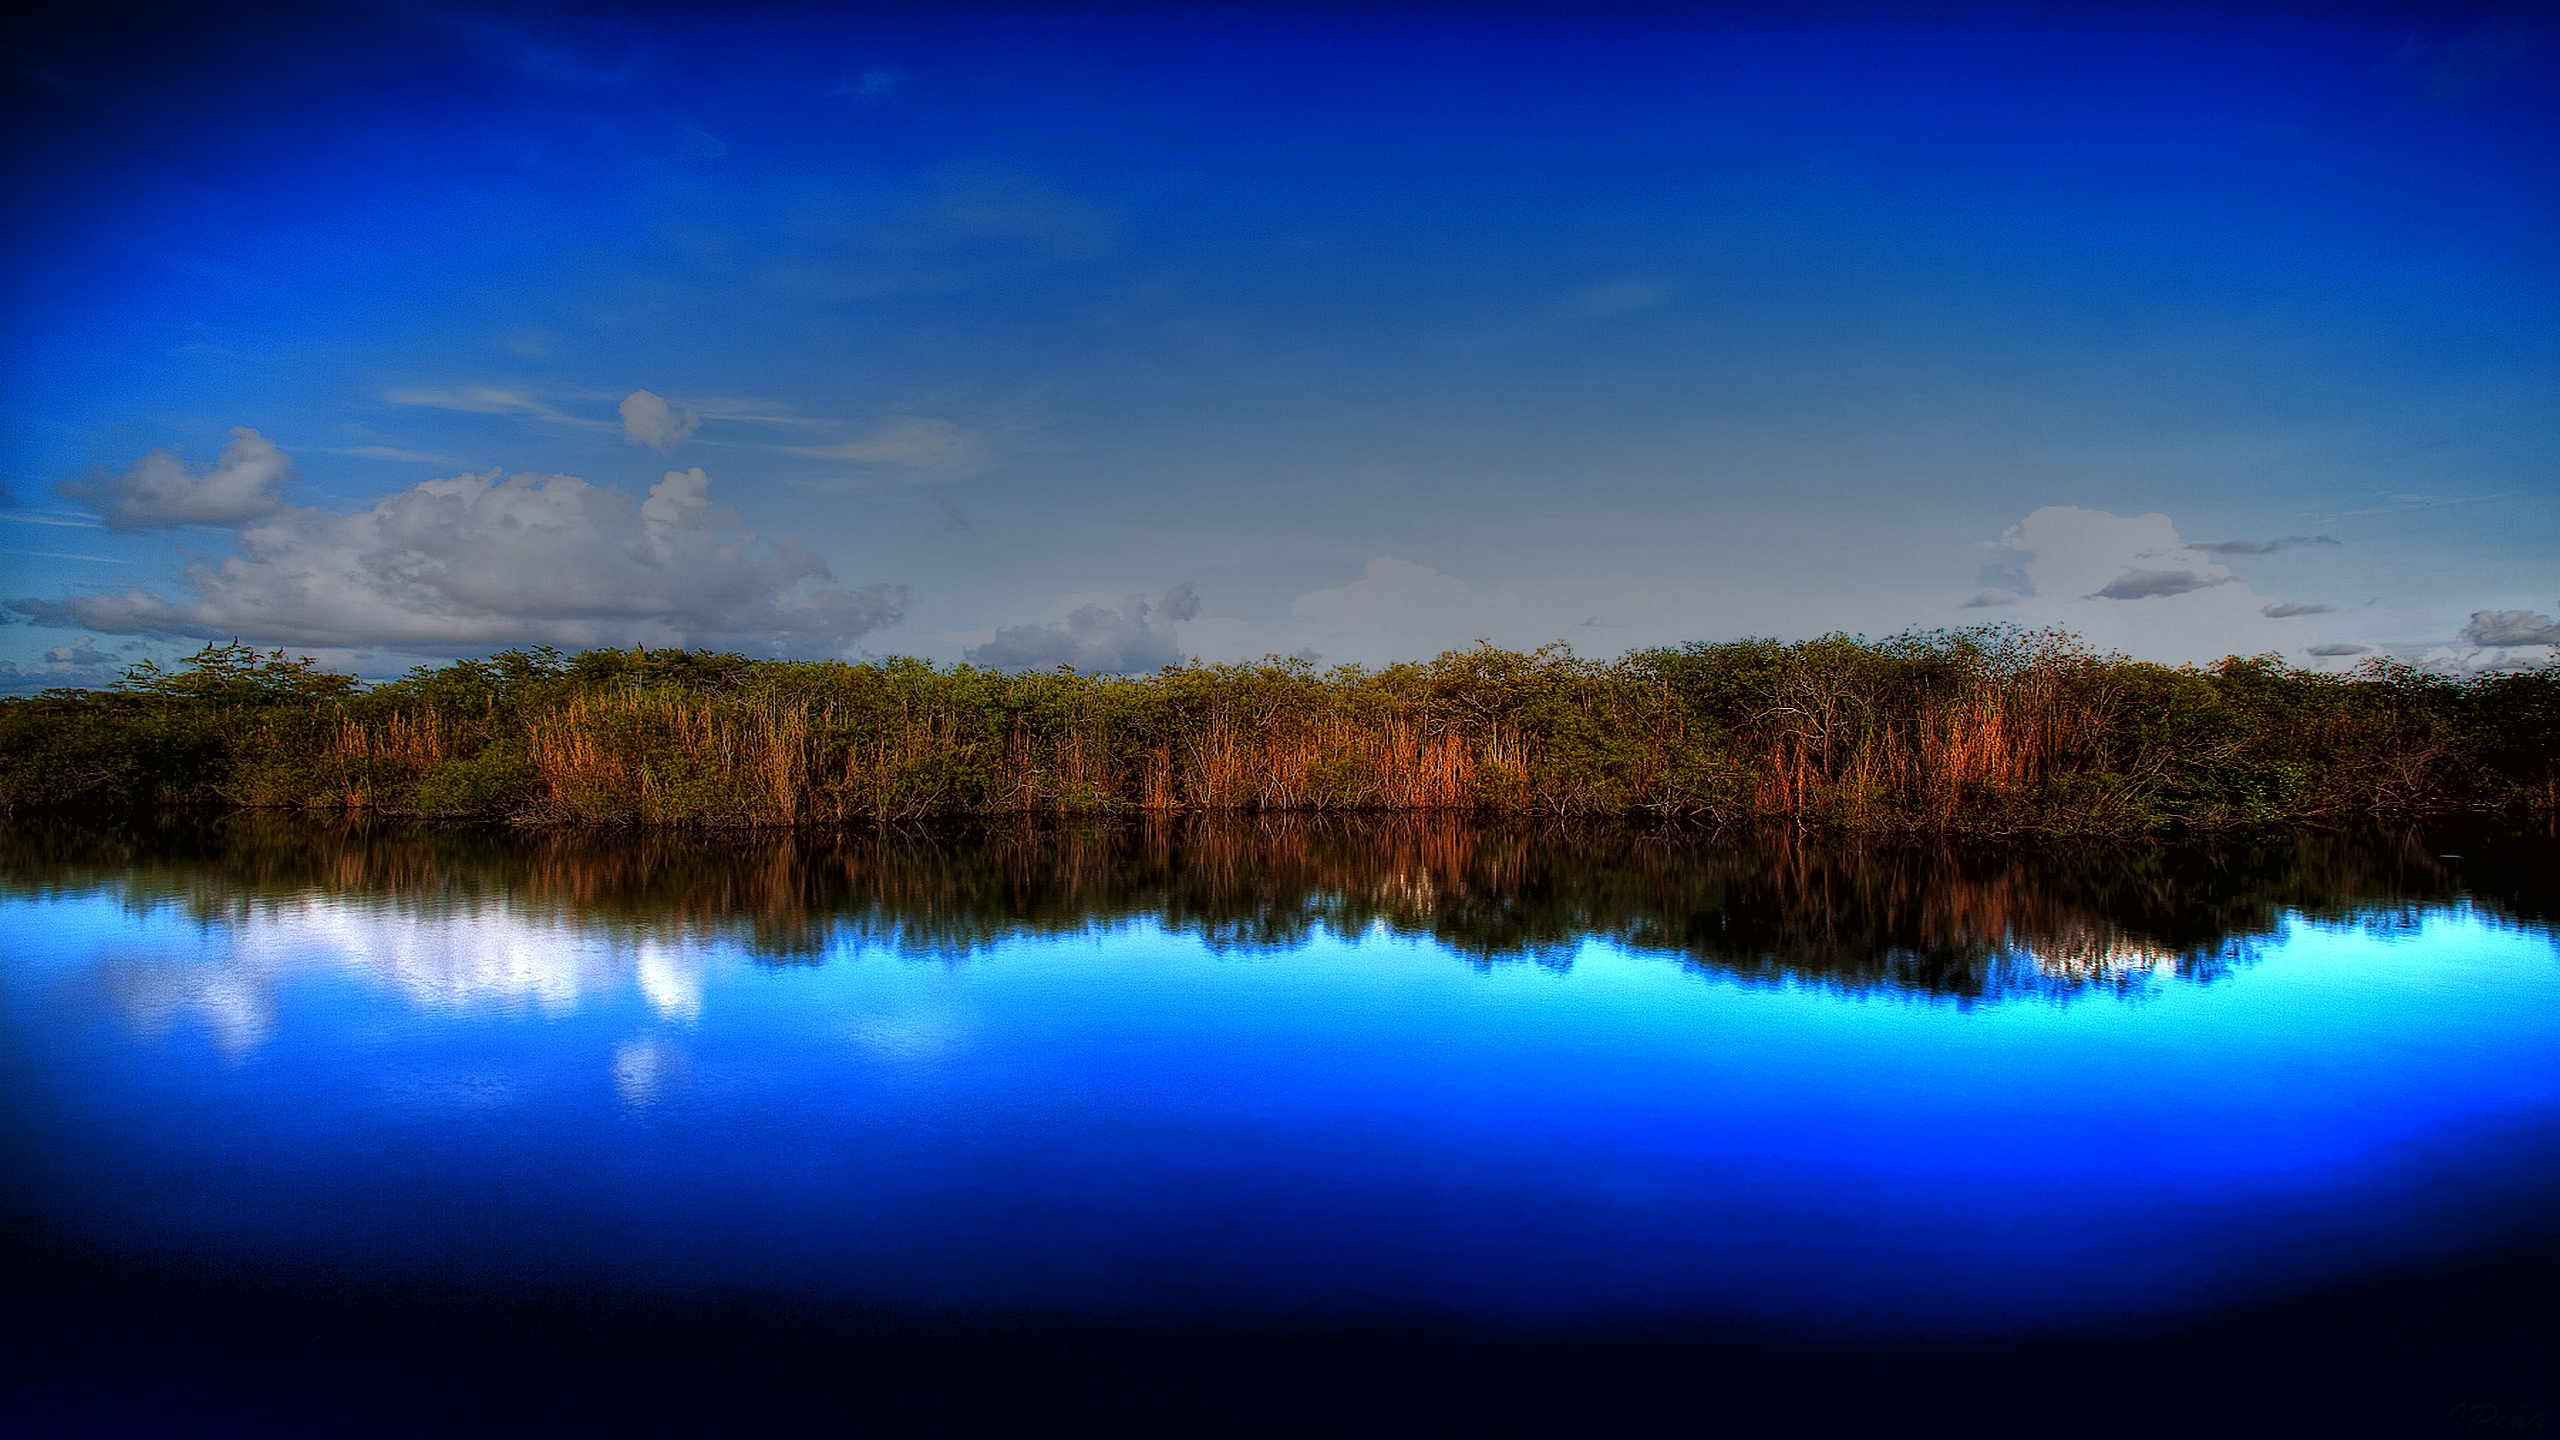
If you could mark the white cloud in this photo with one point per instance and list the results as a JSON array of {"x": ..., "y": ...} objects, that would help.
[
  {"x": 463, "y": 564},
  {"x": 1097, "y": 636},
  {"x": 80, "y": 662},
  {"x": 2131, "y": 583},
  {"x": 488, "y": 400},
  {"x": 647, "y": 419},
  {"x": 243, "y": 483},
  {"x": 394, "y": 452},
  {"x": 1397, "y": 610},
  {"x": 2511, "y": 627},
  {"x": 1392, "y": 596}
]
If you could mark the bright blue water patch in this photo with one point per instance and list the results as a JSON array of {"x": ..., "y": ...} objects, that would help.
[{"x": 1118, "y": 1119}]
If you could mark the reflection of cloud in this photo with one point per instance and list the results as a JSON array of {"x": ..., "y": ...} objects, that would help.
[
  {"x": 671, "y": 978},
  {"x": 473, "y": 958},
  {"x": 645, "y": 1066},
  {"x": 2097, "y": 957},
  {"x": 235, "y": 1004},
  {"x": 907, "y": 1038}
]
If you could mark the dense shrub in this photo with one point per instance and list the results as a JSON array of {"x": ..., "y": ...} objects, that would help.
[{"x": 1995, "y": 730}]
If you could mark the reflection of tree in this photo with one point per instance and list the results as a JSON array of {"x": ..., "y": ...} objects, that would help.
[{"x": 1969, "y": 923}]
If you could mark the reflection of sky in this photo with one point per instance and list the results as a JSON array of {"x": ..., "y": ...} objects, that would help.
[{"x": 1127, "y": 1120}]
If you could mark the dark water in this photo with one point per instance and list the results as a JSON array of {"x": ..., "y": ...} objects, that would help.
[{"x": 1414, "y": 1091}]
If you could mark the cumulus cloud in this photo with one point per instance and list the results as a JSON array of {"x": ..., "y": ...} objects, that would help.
[
  {"x": 1393, "y": 596},
  {"x": 2132, "y": 583},
  {"x": 81, "y": 662},
  {"x": 2258, "y": 547},
  {"x": 2511, "y": 627},
  {"x": 2291, "y": 608},
  {"x": 463, "y": 564},
  {"x": 2150, "y": 584},
  {"x": 1126, "y": 638},
  {"x": 1397, "y": 610},
  {"x": 245, "y": 482},
  {"x": 647, "y": 419}
]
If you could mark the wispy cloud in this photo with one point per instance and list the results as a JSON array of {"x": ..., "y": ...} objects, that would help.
[
  {"x": 1617, "y": 297},
  {"x": 2288, "y": 609},
  {"x": 68, "y": 555},
  {"x": 393, "y": 452},
  {"x": 1990, "y": 600},
  {"x": 491, "y": 400},
  {"x": 2334, "y": 649},
  {"x": 2258, "y": 547},
  {"x": 2397, "y": 503},
  {"x": 50, "y": 520},
  {"x": 916, "y": 447}
]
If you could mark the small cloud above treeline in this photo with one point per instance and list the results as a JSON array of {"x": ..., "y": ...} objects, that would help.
[
  {"x": 2511, "y": 627},
  {"x": 1132, "y": 637}
]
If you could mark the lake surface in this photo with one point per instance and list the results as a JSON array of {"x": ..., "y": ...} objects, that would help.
[{"x": 1290, "y": 1074}]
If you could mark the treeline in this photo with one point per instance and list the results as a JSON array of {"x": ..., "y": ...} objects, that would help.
[
  {"x": 1985, "y": 731},
  {"x": 1957, "y": 919}
]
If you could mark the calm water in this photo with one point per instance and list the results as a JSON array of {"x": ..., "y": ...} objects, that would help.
[{"x": 1290, "y": 1072}]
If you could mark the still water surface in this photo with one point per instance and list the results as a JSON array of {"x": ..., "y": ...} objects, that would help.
[{"x": 1290, "y": 1072}]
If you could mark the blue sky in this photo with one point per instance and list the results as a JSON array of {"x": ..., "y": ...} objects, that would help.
[{"x": 1119, "y": 337}]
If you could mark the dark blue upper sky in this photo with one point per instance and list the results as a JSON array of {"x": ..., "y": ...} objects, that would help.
[{"x": 2197, "y": 332}]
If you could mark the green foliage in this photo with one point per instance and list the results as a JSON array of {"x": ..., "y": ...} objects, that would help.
[
  {"x": 491, "y": 782},
  {"x": 1994, "y": 730},
  {"x": 238, "y": 674}
]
